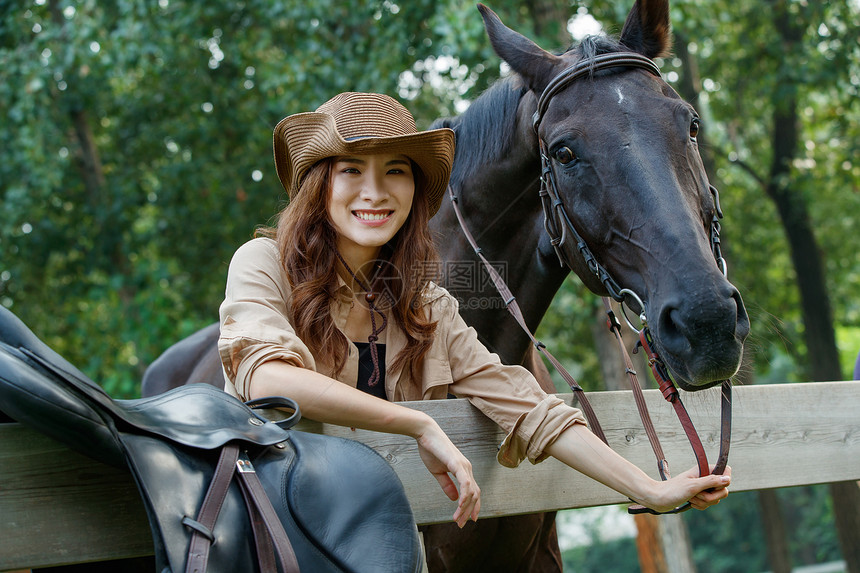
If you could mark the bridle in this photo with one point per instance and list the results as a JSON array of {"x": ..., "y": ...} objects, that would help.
[{"x": 558, "y": 226}]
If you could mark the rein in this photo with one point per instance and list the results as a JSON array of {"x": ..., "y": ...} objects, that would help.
[{"x": 558, "y": 226}]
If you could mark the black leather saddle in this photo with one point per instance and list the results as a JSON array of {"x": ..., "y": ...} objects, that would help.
[{"x": 225, "y": 489}]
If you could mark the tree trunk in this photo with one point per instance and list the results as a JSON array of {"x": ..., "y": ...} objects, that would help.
[
  {"x": 846, "y": 507},
  {"x": 773, "y": 521},
  {"x": 648, "y": 545},
  {"x": 807, "y": 259},
  {"x": 778, "y": 555},
  {"x": 88, "y": 160},
  {"x": 550, "y": 21},
  {"x": 89, "y": 163},
  {"x": 676, "y": 544}
]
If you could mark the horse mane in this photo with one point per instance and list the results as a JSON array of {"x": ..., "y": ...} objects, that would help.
[{"x": 485, "y": 130}]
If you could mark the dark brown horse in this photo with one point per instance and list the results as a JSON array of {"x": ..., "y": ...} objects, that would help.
[{"x": 621, "y": 147}]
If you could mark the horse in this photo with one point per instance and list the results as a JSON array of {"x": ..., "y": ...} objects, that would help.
[{"x": 620, "y": 146}]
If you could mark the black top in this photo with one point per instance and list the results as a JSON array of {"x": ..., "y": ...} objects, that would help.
[{"x": 365, "y": 369}]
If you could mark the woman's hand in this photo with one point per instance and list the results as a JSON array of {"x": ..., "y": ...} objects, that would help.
[
  {"x": 443, "y": 459},
  {"x": 701, "y": 492}
]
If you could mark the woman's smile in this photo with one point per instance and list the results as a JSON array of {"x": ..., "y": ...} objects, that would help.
[{"x": 373, "y": 218}]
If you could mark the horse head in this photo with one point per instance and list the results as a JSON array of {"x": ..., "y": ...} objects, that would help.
[{"x": 620, "y": 146}]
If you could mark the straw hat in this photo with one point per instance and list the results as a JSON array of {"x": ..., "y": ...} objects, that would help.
[{"x": 361, "y": 124}]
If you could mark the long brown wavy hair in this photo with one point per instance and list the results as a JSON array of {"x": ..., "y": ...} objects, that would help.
[{"x": 304, "y": 234}]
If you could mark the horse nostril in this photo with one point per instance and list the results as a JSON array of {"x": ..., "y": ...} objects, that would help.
[
  {"x": 672, "y": 330},
  {"x": 742, "y": 324}
]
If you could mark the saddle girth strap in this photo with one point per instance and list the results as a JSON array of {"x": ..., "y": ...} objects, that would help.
[
  {"x": 269, "y": 534},
  {"x": 202, "y": 537},
  {"x": 252, "y": 489}
]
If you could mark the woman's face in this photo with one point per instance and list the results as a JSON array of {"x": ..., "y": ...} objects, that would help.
[{"x": 371, "y": 196}]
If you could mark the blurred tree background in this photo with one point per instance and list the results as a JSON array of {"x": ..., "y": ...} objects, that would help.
[{"x": 135, "y": 156}]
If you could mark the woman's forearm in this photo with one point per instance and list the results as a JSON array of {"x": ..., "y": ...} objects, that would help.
[
  {"x": 580, "y": 449},
  {"x": 326, "y": 400}
]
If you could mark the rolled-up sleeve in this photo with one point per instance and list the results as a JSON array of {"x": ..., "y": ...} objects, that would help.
[
  {"x": 254, "y": 324},
  {"x": 509, "y": 395}
]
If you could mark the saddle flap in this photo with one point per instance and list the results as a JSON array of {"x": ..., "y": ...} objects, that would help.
[
  {"x": 340, "y": 503},
  {"x": 339, "y": 489},
  {"x": 200, "y": 416}
]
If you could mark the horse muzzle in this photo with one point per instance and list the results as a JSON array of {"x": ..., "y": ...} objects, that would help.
[{"x": 700, "y": 339}]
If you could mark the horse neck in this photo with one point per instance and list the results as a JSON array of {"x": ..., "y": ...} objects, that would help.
[{"x": 500, "y": 204}]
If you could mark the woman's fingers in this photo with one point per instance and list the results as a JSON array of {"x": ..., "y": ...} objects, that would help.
[
  {"x": 711, "y": 489},
  {"x": 707, "y": 498},
  {"x": 469, "y": 498},
  {"x": 448, "y": 485},
  {"x": 444, "y": 460},
  {"x": 710, "y": 495},
  {"x": 469, "y": 504}
]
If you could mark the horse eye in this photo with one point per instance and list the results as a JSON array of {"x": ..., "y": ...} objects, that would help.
[
  {"x": 694, "y": 128},
  {"x": 564, "y": 155}
]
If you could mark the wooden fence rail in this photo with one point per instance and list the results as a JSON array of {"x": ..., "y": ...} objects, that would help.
[{"x": 59, "y": 507}]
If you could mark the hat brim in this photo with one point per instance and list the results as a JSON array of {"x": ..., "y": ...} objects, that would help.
[{"x": 303, "y": 139}]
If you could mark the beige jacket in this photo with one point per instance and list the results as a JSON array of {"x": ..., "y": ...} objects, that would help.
[{"x": 255, "y": 328}]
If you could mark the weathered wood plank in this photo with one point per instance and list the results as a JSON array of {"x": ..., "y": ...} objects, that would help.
[
  {"x": 59, "y": 507},
  {"x": 783, "y": 435}
]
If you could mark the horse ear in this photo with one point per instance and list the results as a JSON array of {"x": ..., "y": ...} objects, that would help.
[
  {"x": 647, "y": 29},
  {"x": 534, "y": 64}
]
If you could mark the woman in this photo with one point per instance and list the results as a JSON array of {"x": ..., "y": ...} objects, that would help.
[{"x": 346, "y": 265}]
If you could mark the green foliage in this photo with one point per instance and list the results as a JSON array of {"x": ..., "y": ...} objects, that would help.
[
  {"x": 732, "y": 532},
  {"x": 617, "y": 556},
  {"x": 849, "y": 347},
  {"x": 599, "y": 546},
  {"x": 728, "y": 534},
  {"x": 178, "y": 100},
  {"x": 746, "y": 67},
  {"x": 137, "y": 153}
]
